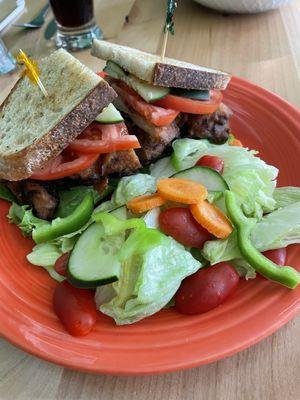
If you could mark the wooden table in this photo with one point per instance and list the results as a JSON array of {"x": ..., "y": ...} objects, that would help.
[{"x": 263, "y": 48}]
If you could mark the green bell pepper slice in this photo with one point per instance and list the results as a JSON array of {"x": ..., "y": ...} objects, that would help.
[
  {"x": 62, "y": 226},
  {"x": 286, "y": 275}
]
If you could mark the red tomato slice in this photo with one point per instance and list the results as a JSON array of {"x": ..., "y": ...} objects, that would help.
[
  {"x": 100, "y": 138},
  {"x": 65, "y": 164},
  {"x": 102, "y": 74},
  {"x": 190, "y": 106},
  {"x": 158, "y": 116}
]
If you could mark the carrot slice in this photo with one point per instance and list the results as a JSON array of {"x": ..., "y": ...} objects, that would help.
[
  {"x": 144, "y": 203},
  {"x": 181, "y": 190},
  {"x": 236, "y": 142},
  {"x": 212, "y": 219}
]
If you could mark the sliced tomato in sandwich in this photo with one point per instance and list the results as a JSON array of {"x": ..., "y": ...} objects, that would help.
[
  {"x": 102, "y": 74},
  {"x": 157, "y": 116},
  {"x": 84, "y": 151},
  {"x": 65, "y": 164},
  {"x": 192, "y": 106},
  {"x": 102, "y": 139}
]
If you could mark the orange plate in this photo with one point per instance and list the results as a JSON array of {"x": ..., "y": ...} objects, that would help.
[{"x": 166, "y": 341}]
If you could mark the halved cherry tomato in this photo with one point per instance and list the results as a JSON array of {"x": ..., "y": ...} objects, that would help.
[
  {"x": 179, "y": 223},
  {"x": 213, "y": 162},
  {"x": 65, "y": 164},
  {"x": 102, "y": 138},
  {"x": 61, "y": 264},
  {"x": 75, "y": 308},
  {"x": 278, "y": 256},
  {"x": 191, "y": 106},
  {"x": 102, "y": 74},
  {"x": 206, "y": 289},
  {"x": 157, "y": 116}
]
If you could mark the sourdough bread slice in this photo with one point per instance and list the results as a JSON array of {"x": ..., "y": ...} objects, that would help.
[
  {"x": 34, "y": 128},
  {"x": 170, "y": 73}
]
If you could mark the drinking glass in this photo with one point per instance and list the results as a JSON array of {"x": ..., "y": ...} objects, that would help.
[{"x": 76, "y": 25}]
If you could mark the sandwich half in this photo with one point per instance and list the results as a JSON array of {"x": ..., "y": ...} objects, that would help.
[
  {"x": 72, "y": 137},
  {"x": 161, "y": 101}
]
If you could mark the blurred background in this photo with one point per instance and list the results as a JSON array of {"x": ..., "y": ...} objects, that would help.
[{"x": 255, "y": 39}]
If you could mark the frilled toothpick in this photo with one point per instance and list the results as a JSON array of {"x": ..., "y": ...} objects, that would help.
[
  {"x": 31, "y": 70},
  {"x": 169, "y": 25}
]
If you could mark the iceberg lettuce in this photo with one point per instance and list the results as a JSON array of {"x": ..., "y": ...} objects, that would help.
[
  {"x": 45, "y": 255},
  {"x": 284, "y": 196},
  {"x": 250, "y": 178},
  {"x": 152, "y": 268},
  {"x": 128, "y": 188},
  {"x": 276, "y": 230},
  {"x": 162, "y": 168},
  {"x": 24, "y": 218}
]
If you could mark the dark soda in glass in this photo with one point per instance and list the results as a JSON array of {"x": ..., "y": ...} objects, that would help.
[
  {"x": 76, "y": 25},
  {"x": 72, "y": 13}
]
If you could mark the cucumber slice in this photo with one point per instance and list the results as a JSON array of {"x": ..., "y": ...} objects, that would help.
[
  {"x": 147, "y": 91},
  {"x": 114, "y": 70},
  {"x": 93, "y": 261},
  {"x": 191, "y": 94},
  {"x": 208, "y": 177},
  {"x": 213, "y": 196},
  {"x": 110, "y": 115}
]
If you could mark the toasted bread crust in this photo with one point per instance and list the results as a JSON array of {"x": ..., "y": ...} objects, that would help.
[
  {"x": 174, "y": 76},
  {"x": 22, "y": 164},
  {"x": 170, "y": 73}
]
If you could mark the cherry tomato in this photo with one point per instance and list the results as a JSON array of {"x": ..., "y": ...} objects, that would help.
[
  {"x": 65, "y": 164},
  {"x": 206, "y": 289},
  {"x": 213, "y": 162},
  {"x": 179, "y": 223},
  {"x": 102, "y": 138},
  {"x": 61, "y": 264},
  {"x": 75, "y": 308},
  {"x": 157, "y": 116},
  {"x": 191, "y": 106},
  {"x": 278, "y": 256}
]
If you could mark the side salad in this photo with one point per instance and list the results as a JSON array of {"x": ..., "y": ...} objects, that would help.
[{"x": 181, "y": 235}]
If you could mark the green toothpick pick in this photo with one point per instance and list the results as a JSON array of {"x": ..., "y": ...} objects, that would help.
[{"x": 169, "y": 25}]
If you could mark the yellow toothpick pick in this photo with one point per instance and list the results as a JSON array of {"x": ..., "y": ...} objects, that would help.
[{"x": 31, "y": 70}]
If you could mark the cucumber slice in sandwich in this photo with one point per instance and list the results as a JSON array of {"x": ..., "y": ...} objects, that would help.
[
  {"x": 114, "y": 70},
  {"x": 208, "y": 177},
  {"x": 110, "y": 115},
  {"x": 191, "y": 94},
  {"x": 148, "y": 92}
]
